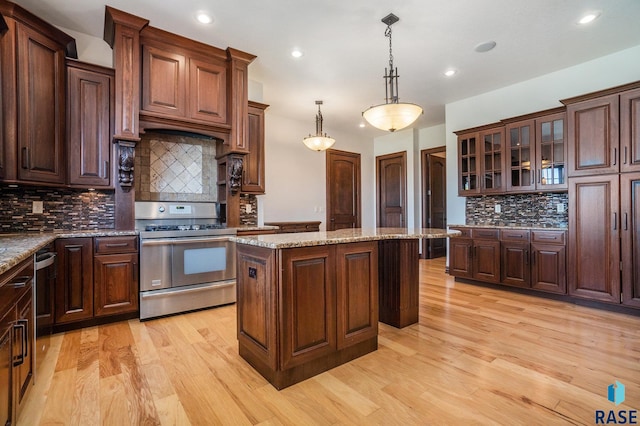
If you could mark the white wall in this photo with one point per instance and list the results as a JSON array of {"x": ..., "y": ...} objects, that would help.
[
  {"x": 526, "y": 97},
  {"x": 91, "y": 49}
]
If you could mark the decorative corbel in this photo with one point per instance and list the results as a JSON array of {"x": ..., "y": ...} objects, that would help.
[
  {"x": 126, "y": 157},
  {"x": 235, "y": 173}
]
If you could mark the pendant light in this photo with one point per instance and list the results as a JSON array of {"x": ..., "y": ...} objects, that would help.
[
  {"x": 319, "y": 142},
  {"x": 392, "y": 115}
]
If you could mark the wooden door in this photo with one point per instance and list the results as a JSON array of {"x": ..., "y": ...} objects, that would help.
[
  {"x": 593, "y": 136},
  {"x": 391, "y": 173},
  {"x": 630, "y": 228},
  {"x": 115, "y": 289},
  {"x": 90, "y": 94},
  {"x": 307, "y": 292},
  {"x": 357, "y": 293},
  {"x": 41, "y": 107},
  {"x": 74, "y": 284},
  {"x": 343, "y": 190},
  {"x": 434, "y": 199},
  {"x": 594, "y": 231},
  {"x": 630, "y": 130},
  {"x": 253, "y": 169}
]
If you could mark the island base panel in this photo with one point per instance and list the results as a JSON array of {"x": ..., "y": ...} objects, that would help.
[
  {"x": 398, "y": 284},
  {"x": 281, "y": 379}
]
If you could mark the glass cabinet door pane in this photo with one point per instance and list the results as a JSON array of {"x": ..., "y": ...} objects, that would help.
[
  {"x": 546, "y": 132},
  {"x": 525, "y": 141},
  {"x": 558, "y": 130}
]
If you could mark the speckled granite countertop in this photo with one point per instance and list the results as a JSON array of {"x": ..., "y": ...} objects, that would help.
[
  {"x": 14, "y": 248},
  {"x": 257, "y": 228},
  {"x": 307, "y": 239},
  {"x": 543, "y": 228}
]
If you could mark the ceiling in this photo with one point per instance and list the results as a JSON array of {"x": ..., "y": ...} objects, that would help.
[{"x": 345, "y": 50}]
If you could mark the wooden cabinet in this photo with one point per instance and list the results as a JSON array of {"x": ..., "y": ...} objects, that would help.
[
  {"x": 97, "y": 278},
  {"x": 253, "y": 171},
  {"x": 33, "y": 88},
  {"x": 514, "y": 257},
  {"x": 74, "y": 284},
  {"x": 6, "y": 364},
  {"x": 468, "y": 163},
  {"x": 520, "y": 155},
  {"x": 320, "y": 311},
  {"x": 461, "y": 254},
  {"x": 298, "y": 226},
  {"x": 481, "y": 163},
  {"x": 630, "y": 242},
  {"x": 492, "y": 165},
  {"x": 548, "y": 261},
  {"x": 486, "y": 255},
  {"x": 594, "y": 243},
  {"x": 23, "y": 349},
  {"x": 115, "y": 285},
  {"x": 630, "y": 130},
  {"x": 90, "y": 92}
]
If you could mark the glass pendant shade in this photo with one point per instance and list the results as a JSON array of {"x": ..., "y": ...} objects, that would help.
[
  {"x": 393, "y": 116},
  {"x": 319, "y": 142}
]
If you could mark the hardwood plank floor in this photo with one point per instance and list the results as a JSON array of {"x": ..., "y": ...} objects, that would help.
[{"x": 477, "y": 356}]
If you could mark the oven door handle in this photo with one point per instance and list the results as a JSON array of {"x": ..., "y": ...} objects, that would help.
[{"x": 183, "y": 240}]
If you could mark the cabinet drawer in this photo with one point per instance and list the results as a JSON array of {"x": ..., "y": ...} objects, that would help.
[
  {"x": 549, "y": 237},
  {"x": 489, "y": 234},
  {"x": 106, "y": 245},
  {"x": 514, "y": 235},
  {"x": 466, "y": 232}
]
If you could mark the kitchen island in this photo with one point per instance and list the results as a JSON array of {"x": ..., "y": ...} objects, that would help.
[{"x": 308, "y": 302}]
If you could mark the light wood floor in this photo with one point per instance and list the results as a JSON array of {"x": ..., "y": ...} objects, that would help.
[{"x": 477, "y": 356}]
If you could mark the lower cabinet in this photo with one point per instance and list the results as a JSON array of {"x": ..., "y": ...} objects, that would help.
[
  {"x": 305, "y": 310},
  {"x": 549, "y": 261},
  {"x": 514, "y": 257},
  {"x": 97, "y": 277},
  {"x": 486, "y": 255}
]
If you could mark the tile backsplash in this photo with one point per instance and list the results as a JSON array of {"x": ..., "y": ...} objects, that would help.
[
  {"x": 176, "y": 167},
  {"x": 63, "y": 209},
  {"x": 535, "y": 210}
]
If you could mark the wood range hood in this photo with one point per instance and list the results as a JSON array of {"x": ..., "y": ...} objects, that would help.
[{"x": 164, "y": 81}]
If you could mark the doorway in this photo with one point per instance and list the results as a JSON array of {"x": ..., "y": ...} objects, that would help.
[
  {"x": 434, "y": 199},
  {"x": 391, "y": 176},
  {"x": 343, "y": 190}
]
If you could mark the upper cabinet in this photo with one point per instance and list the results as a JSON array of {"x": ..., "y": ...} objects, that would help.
[
  {"x": 253, "y": 171},
  {"x": 603, "y": 131},
  {"x": 89, "y": 124},
  {"x": 33, "y": 102},
  {"x": 480, "y": 160}
]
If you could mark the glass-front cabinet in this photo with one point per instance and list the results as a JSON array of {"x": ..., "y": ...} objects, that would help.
[
  {"x": 552, "y": 148},
  {"x": 520, "y": 152},
  {"x": 492, "y": 167},
  {"x": 468, "y": 164}
]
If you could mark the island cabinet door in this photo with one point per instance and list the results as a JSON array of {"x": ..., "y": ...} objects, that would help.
[
  {"x": 308, "y": 304},
  {"x": 357, "y": 292},
  {"x": 256, "y": 306}
]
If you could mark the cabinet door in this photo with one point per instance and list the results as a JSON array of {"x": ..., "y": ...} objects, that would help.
[
  {"x": 521, "y": 156},
  {"x": 6, "y": 364},
  {"x": 89, "y": 99},
  {"x": 357, "y": 293},
  {"x": 308, "y": 305},
  {"x": 486, "y": 260},
  {"x": 593, "y": 136},
  {"x": 115, "y": 285},
  {"x": 253, "y": 172},
  {"x": 492, "y": 164},
  {"x": 207, "y": 91},
  {"x": 594, "y": 245},
  {"x": 74, "y": 284},
  {"x": 515, "y": 268},
  {"x": 630, "y": 130},
  {"x": 551, "y": 152},
  {"x": 24, "y": 372},
  {"x": 41, "y": 107},
  {"x": 164, "y": 79},
  {"x": 630, "y": 223},
  {"x": 548, "y": 268},
  {"x": 461, "y": 257},
  {"x": 468, "y": 164}
]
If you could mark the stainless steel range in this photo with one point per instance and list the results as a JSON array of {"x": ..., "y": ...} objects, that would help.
[{"x": 187, "y": 260}]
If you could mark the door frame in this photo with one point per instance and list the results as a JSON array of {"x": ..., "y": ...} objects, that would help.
[{"x": 425, "y": 154}]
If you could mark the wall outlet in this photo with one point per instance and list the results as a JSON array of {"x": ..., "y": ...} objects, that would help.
[
  {"x": 248, "y": 209},
  {"x": 497, "y": 208},
  {"x": 37, "y": 207},
  {"x": 560, "y": 208}
]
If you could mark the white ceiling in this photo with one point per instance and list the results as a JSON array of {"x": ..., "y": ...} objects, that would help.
[{"x": 345, "y": 50}]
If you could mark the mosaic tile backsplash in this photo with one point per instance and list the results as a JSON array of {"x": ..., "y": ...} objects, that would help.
[
  {"x": 252, "y": 217},
  {"x": 175, "y": 167},
  {"x": 63, "y": 209},
  {"x": 535, "y": 210}
]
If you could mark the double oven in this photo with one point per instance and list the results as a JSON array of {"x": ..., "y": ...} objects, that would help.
[{"x": 187, "y": 258}]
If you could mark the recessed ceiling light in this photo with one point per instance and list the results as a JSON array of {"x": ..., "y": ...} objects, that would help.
[
  {"x": 589, "y": 17},
  {"x": 204, "y": 18},
  {"x": 296, "y": 53},
  {"x": 450, "y": 72},
  {"x": 361, "y": 125},
  {"x": 485, "y": 46}
]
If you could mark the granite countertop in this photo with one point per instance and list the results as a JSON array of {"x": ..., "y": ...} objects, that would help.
[
  {"x": 14, "y": 248},
  {"x": 256, "y": 228},
  {"x": 543, "y": 228},
  {"x": 307, "y": 239}
]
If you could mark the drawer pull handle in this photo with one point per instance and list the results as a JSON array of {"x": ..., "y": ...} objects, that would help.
[{"x": 116, "y": 245}]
